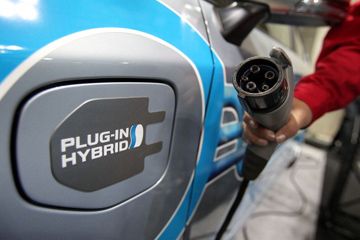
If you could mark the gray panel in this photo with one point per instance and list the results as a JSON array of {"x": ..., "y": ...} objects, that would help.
[
  {"x": 189, "y": 10},
  {"x": 229, "y": 115},
  {"x": 229, "y": 54},
  {"x": 214, "y": 205},
  {"x": 35, "y": 156},
  {"x": 225, "y": 149},
  {"x": 118, "y": 57}
]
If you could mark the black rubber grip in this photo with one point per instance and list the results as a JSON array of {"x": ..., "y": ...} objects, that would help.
[{"x": 253, "y": 165}]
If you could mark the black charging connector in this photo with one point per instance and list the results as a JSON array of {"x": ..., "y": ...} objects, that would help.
[{"x": 265, "y": 89}]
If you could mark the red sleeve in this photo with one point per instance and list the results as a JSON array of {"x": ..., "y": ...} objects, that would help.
[{"x": 336, "y": 80}]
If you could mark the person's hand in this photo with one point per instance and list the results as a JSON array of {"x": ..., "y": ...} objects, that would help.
[{"x": 300, "y": 117}]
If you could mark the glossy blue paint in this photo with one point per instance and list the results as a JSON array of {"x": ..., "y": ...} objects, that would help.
[
  {"x": 57, "y": 19},
  {"x": 211, "y": 133},
  {"x": 220, "y": 96}
]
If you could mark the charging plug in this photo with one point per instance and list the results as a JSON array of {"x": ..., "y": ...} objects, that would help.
[{"x": 265, "y": 89}]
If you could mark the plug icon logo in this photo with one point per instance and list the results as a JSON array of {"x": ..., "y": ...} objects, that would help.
[{"x": 103, "y": 142}]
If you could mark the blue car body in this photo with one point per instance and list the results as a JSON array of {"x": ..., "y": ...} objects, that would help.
[{"x": 58, "y": 47}]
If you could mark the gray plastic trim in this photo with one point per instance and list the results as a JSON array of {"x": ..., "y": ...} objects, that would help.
[
  {"x": 125, "y": 54},
  {"x": 226, "y": 149},
  {"x": 229, "y": 116},
  {"x": 214, "y": 205},
  {"x": 43, "y": 187}
]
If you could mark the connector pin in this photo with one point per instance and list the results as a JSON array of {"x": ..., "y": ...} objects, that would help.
[
  {"x": 269, "y": 75},
  {"x": 255, "y": 69},
  {"x": 251, "y": 86}
]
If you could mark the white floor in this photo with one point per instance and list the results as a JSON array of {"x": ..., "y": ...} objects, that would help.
[{"x": 290, "y": 208}]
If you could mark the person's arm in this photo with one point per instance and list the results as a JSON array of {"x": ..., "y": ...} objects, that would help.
[
  {"x": 334, "y": 84},
  {"x": 336, "y": 81}
]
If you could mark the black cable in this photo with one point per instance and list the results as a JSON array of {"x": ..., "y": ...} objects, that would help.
[
  {"x": 335, "y": 217},
  {"x": 295, "y": 213},
  {"x": 350, "y": 202},
  {"x": 245, "y": 233},
  {"x": 239, "y": 197},
  {"x": 252, "y": 167},
  {"x": 355, "y": 201},
  {"x": 234, "y": 206}
]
